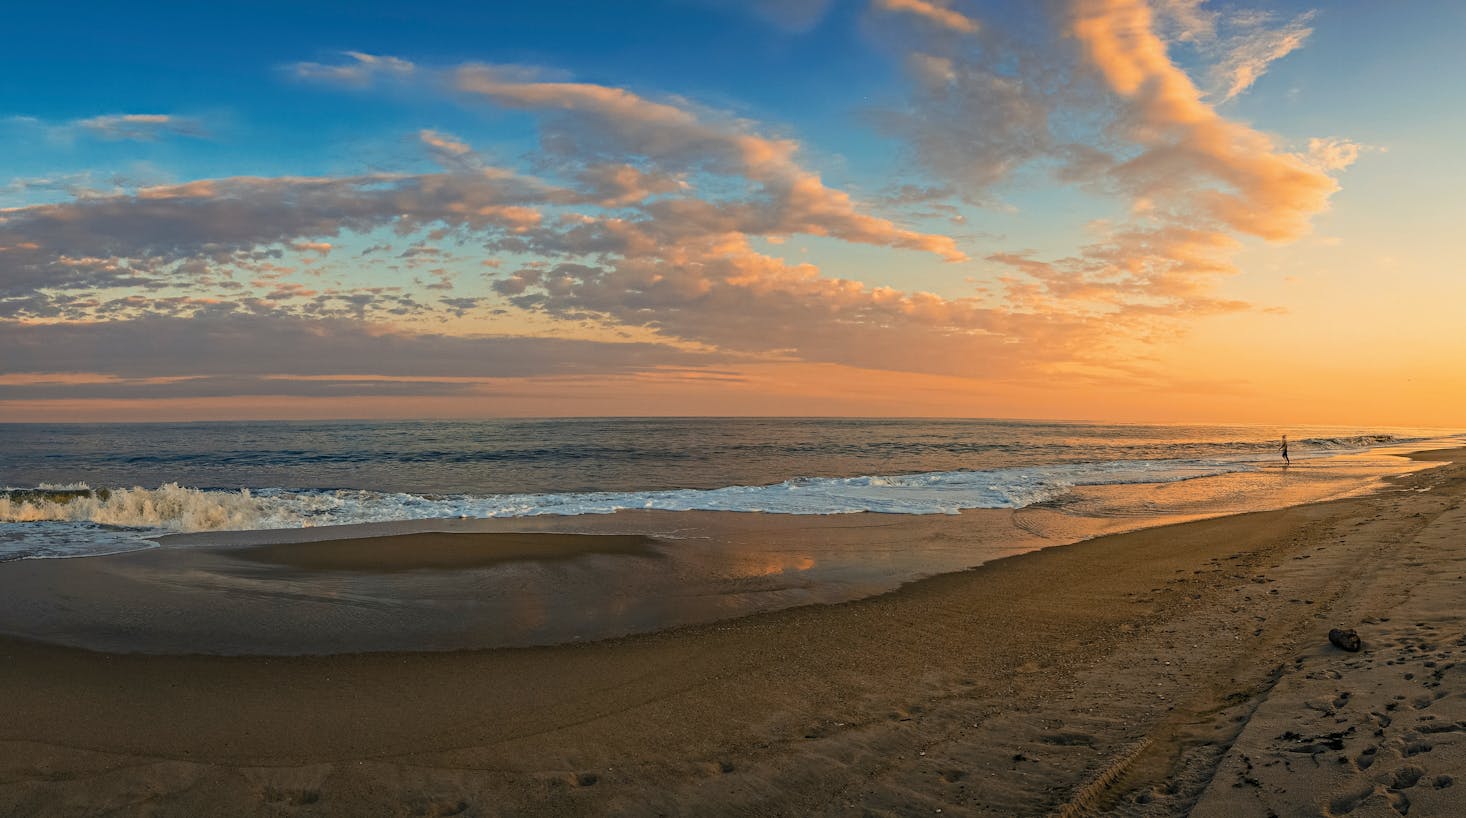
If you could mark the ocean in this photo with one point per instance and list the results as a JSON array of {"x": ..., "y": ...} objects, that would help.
[{"x": 82, "y": 489}]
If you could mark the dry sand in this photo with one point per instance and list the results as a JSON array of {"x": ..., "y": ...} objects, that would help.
[{"x": 1174, "y": 669}]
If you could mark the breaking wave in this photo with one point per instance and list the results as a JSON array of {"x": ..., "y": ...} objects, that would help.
[
  {"x": 175, "y": 508},
  {"x": 170, "y": 507}
]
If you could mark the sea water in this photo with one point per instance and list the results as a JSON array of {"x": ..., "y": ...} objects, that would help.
[{"x": 87, "y": 489}]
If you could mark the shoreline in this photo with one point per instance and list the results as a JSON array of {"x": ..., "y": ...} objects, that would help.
[
  {"x": 450, "y": 584},
  {"x": 1117, "y": 671}
]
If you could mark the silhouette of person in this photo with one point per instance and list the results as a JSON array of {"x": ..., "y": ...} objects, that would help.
[{"x": 1284, "y": 450}]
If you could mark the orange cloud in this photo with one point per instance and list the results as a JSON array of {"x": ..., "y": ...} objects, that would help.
[
  {"x": 674, "y": 136},
  {"x": 321, "y": 247},
  {"x": 1193, "y": 156},
  {"x": 1335, "y": 153}
]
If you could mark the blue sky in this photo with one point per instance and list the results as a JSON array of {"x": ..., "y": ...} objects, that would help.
[{"x": 225, "y": 60}]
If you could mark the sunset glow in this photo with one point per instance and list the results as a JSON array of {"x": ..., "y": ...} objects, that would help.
[{"x": 1172, "y": 210}]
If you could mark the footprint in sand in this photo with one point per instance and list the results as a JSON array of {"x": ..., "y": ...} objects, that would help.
[
  {"x": 1406, "y": 777},
  {"x": 1347, "y": 802},
  {"x": 1365, "y": 759},
  {"x": 1324, "y": 707},
  {"x": 1444, "y": 727},
  {"x": 1415, "y": 747}
]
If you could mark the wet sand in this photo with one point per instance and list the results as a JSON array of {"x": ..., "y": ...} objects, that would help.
[
  {"x": 440, "y": 550},
  {"x": 1173, "y": 669}
]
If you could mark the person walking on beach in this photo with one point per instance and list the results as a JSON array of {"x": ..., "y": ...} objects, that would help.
[{"x": 1284, "y": 450}]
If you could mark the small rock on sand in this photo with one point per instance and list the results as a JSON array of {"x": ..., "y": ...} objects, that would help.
[{"x": 1346, "y": 639}]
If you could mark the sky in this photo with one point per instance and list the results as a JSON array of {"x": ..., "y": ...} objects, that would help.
[{"x": 1120, "y": 210}]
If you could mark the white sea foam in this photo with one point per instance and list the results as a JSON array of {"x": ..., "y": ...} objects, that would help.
[
  {"x": 173, "y": 508},
  {"x": 170, "y": 507},
  {"x": 59, "y": 540}
]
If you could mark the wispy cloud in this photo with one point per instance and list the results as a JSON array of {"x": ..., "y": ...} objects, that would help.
[
  {"x": 116, "y": 127},
  {"x": 359, "y": 69},
  {"x": 674, "y": 137},
  {"x": 1336, "y": 153},
  {"x": 1187, "y": 20},
  {"x": 932, "y": 11},
  {"x": 970, "y": 122},
  {"x": 140, "y": 127},
  {"x": 449, "y": 150},
  {"x": 1253, "y": 48}
]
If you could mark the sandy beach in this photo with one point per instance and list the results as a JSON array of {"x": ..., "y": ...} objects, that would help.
[
  {"x": 733, "y": 408},
  {"x": 1173, "y": 669}
]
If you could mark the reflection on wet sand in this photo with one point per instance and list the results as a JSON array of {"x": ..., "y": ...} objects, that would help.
[
  {"x": 764, "y": 565},
  {"x": 442, "y": 550}
]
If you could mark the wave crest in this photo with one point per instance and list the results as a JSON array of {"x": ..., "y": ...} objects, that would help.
[
  {"x": 172, "y": 507},
  {"x": 169, "y": 507}
]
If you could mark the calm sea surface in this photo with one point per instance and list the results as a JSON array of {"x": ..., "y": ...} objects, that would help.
[{"x": 588, "y": 455}]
